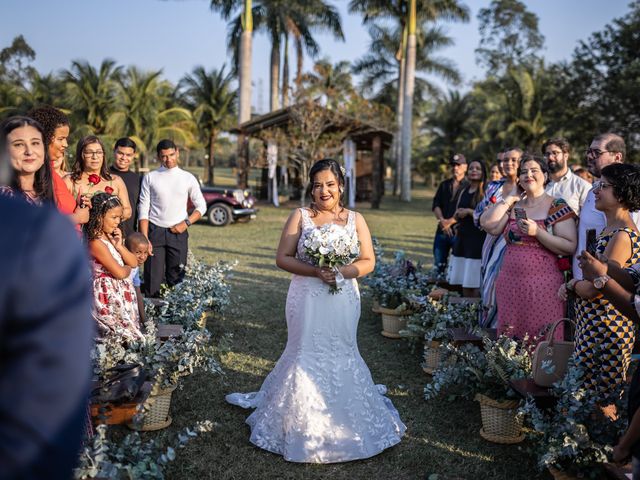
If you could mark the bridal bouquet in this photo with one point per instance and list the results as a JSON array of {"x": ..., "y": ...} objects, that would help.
[{"x": 328, "y": 246}]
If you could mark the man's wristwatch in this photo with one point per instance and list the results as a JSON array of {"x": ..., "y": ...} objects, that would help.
[
  {"x": 187, "y": 222},
  {"x": 600, "y": 282}
]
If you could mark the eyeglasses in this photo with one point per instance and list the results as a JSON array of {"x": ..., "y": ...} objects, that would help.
[
  {"x": 89, "y": 153},
  {"x": 595, "y": 153},
  {"x": 555, "y": 153},
  {"x": 599, "y": 185}
]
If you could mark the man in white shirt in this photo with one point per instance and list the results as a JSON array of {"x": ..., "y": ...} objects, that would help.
[
  {"x": 604, "y": 150},
  {"x": 164, "y": 220},
  {"x": 563, "y": 182}
]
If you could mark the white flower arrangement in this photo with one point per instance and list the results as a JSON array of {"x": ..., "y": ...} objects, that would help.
[{"x": 328, "y": 246}]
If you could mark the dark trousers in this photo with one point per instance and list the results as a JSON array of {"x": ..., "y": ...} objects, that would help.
[
  {"x": 442, "y": 245},
  {"x": 168, "y": 260}
]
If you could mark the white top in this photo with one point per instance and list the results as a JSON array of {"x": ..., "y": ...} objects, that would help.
[
  {"x": 590, "y": 217},
  {"x": 164, "y": 194},
  {"x": 571, "y": 188}
]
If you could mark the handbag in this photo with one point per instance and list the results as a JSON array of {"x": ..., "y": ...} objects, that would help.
[
  {"x": 554, "y": 355},
  {"x": 121, "y": 384}
]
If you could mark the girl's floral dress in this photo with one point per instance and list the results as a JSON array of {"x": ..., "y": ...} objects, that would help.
[{"x": 115, "y": 307}]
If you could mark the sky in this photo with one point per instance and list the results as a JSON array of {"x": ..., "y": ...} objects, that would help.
[{"x": 177, "y": 35}]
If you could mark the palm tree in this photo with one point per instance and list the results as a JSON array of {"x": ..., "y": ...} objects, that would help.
[
  {"x": 399, "y": 12},
  {"x": 407, "y": 107},
  {"x": 383, "y": 69},
  {"x": 449, "y": 124},
  {"x": 241, "y": 64},
  {"x": 145, "y": 111},
  {"x": 92, "y": 92},
  {"x": 211, "y": 97},
  {"x": 279, "y": 18},
  {"x": 330, "y": 83}
]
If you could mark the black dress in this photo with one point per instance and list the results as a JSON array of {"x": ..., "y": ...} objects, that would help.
[{"x": 465, "y": 263}]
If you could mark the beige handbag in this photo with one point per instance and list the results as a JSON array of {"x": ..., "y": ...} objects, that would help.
[{"x": 556, "y": 353}]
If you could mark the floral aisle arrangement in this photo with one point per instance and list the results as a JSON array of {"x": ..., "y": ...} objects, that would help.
[
  {"x": 204, "y": 289},
  {"x": 328, "y": 246},
  {"x": 433, "y": 324},
  {"x": 131, "y": 458},
  {"x": 394, "y": 284},
  {"x": 486, "y": 371},
  {"x": 574, "y": 437},
  {"x": 165, "y": 362}
]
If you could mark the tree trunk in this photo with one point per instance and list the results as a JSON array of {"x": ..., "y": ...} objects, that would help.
[
  {"x": 274, "y": 103},
  {"x": 244, "y": 80},
  {"x": 285, "y": 73},
  {"x": 407, "y": 113},
  {"x": 397, "y": 144},
  {"x": 211, "y": 161},
  {"x": 376, "y": 174},
  {"x": 299, "y": 62}
]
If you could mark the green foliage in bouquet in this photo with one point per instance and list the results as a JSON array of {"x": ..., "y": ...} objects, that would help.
[
  {"x": 393, "y": 284},
  {"x": 575, "y": 436},
  {"x": 472, "y": 370},
  {"x": 131, "y": 457}
]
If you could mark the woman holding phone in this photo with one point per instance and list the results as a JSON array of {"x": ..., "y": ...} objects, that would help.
[
  {"x": 537, "y": 228},
  {"x": 604, "y": 337}
]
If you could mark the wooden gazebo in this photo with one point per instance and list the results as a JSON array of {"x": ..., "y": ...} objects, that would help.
[{"x": 370, "y": 142}]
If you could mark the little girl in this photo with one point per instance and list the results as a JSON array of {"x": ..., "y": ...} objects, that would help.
[{"x": 115, "y": 308}]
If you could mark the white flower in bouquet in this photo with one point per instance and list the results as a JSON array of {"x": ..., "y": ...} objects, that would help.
[{"x": 328, "y": 246}]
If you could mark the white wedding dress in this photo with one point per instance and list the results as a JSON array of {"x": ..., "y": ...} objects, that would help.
[{"x": 319, "y": 404}]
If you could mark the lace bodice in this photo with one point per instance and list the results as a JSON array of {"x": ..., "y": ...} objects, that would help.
[{"x": 308, "y": 226}]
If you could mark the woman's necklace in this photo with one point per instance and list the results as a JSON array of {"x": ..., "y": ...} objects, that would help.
[{"x": 536, "y": 203}]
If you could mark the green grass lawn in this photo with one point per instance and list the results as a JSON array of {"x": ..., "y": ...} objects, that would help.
[{"x": 442, "y": 438}]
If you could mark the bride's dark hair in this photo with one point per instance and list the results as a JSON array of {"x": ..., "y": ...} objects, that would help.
[{"x": 336, "y": 169}]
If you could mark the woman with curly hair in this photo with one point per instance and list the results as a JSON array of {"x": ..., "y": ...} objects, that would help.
[
  {"x": 604, "y": 337},
  {"x": 90, "y": 174},
  {"x": 55, "y": 126},
  {"x": 115, "y": 308}
]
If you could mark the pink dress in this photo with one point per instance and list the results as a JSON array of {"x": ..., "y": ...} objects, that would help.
[
  {"x": 529, "y": 279},
  {"x": 115, "y": 306}
]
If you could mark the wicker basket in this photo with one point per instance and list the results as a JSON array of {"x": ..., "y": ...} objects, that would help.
[
  {"x": 156, "y": 414},
  {"x": 499, "y": 421},
  {"x": 393, "y": 321},
  {"x": 561, "y": 474},
  {"x": 432, "y": 356}
]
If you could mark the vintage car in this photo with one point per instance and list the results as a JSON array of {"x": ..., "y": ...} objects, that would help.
[{"x": 225, "y": 205}]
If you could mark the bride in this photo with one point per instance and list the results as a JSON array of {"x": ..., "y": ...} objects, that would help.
[{"x": 319, "y": 404}]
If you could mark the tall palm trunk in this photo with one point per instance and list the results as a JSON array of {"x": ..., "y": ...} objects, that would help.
[
  {"x": 244, "y": 106},
  {"x": 299, "y": 61},
  {"x": 407, "y": 111},
  {"x": 397, "y": 145},
  {"x": 211, "y": 161},
  {"x": 285, "y": 72},
  {"x": 274, "y": 103}
]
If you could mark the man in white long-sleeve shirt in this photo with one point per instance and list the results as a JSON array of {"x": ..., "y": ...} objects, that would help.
[
  {"x": 164, "y": 220},
  {"x": 604, "y": 150}
]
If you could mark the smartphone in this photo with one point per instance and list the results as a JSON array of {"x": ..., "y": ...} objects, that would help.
[
  {"x": 592, "y": 241},
  {"x": 520, "y": 213}
]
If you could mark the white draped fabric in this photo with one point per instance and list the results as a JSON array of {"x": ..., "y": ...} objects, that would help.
[{"x": 349, "y": 153}]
